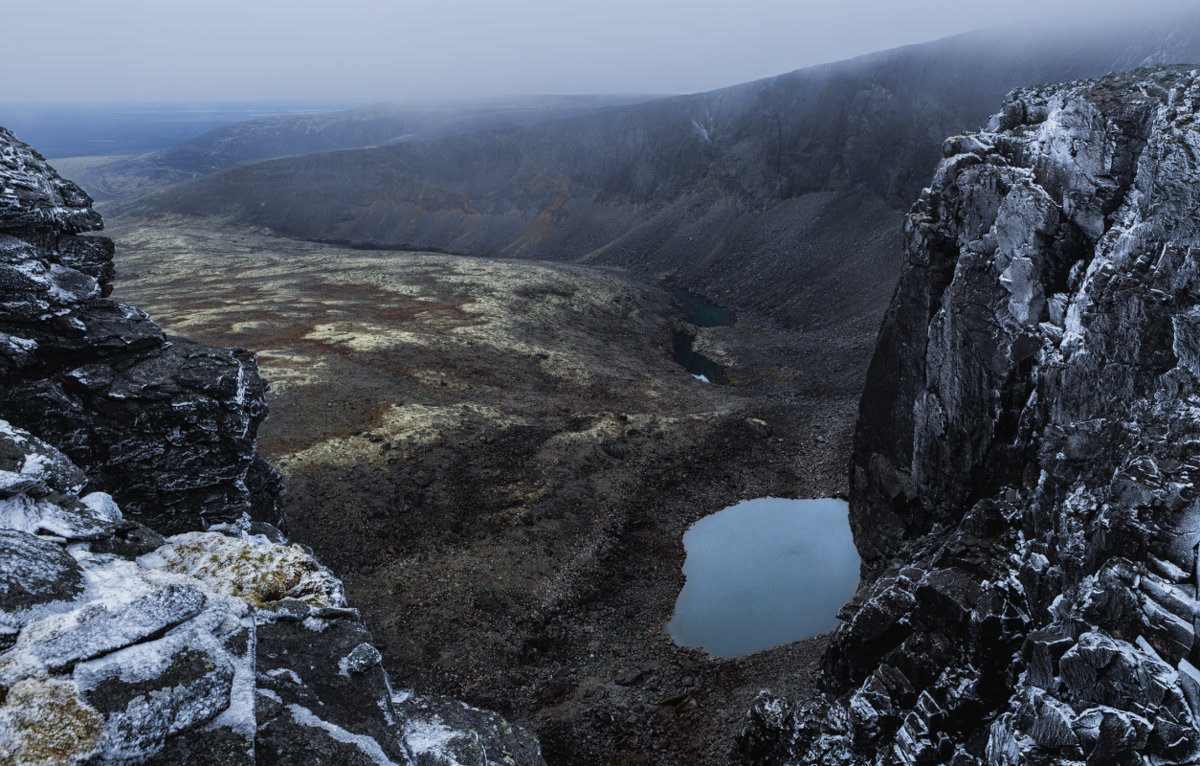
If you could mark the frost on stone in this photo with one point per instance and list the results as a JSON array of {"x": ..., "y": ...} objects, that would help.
[
  {"x": 44, "y": 721},
  {"x": 102, "y": 506},
  {"x": 26, "y": 514},
  {"x": 30, "y": 465},
  {"x": 33, "y": 194},
  {"x": 1025, "y": 456},
  {"x": 287, "y": 674},
  {"x": 94, "y": 630},
  {"x": 444, "y": 732},
  {"x": 34, "y": 571},
  {"x": 154, "y": 690},
  {"x": 369, "y": 747},
  {"x": 256, "y": 572},
  {"x": 1186, "y": 341},
  {"x": 360, "y": 659},
  {"x": 437, "y": 743}
]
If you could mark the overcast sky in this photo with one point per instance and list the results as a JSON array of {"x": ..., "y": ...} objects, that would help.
[{"x": 126, "y": 50}]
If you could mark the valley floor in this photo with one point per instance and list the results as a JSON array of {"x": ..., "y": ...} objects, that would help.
[{"x": 500, "y": 459}]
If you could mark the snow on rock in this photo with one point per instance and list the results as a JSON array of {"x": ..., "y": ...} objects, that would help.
[
  {"x": 33, "y": 571},
  {"x": 364, "y": 745},
  {"x": 445, "y": 732},
  {"x": 30, "y": 466},
  {"x": 92, "y": 630},
  {"x": 1023, "y": 488},
  {"x": 360, "y": 659},
  {"x": 166, "y": 427},
  {"x": 102, "y": 506},
  {"x": 201, "y": 650},
  {"x": 32, "y": 194}
]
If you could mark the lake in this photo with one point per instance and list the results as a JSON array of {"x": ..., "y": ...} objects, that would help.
[{"x": 764, "y": 572}]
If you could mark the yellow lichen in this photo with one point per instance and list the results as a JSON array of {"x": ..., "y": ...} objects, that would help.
[
  {"x": 44, "y": 721},
  {"x": 258, "y": 573}
]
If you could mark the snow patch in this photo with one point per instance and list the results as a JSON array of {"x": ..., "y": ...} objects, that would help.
[
  {"x": 368, "y": 746},
  {"x": 287, "y": 674},
  {"x": 432, "y": 737}
]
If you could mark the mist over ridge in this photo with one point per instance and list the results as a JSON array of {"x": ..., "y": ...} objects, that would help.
[{"x": 374, "y": 50}]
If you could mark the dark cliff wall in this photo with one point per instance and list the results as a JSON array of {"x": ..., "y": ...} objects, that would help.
[
  {"x": 1025, "y": 467},
  {"x": 164, "y": 425}
]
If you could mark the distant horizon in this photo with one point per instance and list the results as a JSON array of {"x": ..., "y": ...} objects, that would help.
[
  {"x": 61, "y": 130},
  {"x": 393, "y": 51},
  {"x": 346, "y": 103}
]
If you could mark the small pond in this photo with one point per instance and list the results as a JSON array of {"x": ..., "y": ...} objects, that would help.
[
  {"x": 697, "y": 364},
  {"x": 764, "y": 572},
  {"x": 703, "y": 313}
]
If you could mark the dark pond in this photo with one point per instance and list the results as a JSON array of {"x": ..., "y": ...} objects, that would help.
[
  {"x": 697, "y": 364},
  {"x": 764, "y": 572},
  {"x": 701, "y": 311}
]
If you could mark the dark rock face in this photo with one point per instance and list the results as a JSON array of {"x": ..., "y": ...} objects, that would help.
[
  {"x": 164, "y": 425},
  {"x": 1023, "y": 484}
]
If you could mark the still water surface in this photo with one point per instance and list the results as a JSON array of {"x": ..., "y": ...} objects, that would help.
[{"x": 764, "y": 572}]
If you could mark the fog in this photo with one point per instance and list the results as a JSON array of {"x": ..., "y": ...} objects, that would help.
[{"x": 132, "y": 50}]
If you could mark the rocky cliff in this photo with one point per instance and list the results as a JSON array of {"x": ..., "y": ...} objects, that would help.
[
  {"x": 220, "y": 644},
  {"x": 1025, "y": 466},
  {"x": 164, "y": 425}
]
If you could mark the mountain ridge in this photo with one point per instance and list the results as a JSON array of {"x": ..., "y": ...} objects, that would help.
[{"x": 784, "y": 195}]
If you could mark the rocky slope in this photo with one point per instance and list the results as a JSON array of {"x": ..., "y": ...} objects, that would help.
[
  {"x": 1024, "y": 476},
  {"x": 119, "y": 646}
]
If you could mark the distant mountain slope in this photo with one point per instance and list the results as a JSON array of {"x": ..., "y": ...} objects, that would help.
[
  {"x": 784, "y": 195},
  {"x": 276, "y": 136},
  {"x": 370, "y": 125}
]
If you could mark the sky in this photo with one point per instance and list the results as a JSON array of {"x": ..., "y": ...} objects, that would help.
[{"x": 373, "y": 50}]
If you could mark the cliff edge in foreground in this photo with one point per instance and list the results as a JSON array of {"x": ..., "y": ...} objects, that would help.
[
  {"x": 220, "y": 644},
  {"x": 1024, "y": 475}
]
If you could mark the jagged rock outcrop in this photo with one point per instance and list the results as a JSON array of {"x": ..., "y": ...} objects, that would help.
[
  {"x": 164, "y": 425},
  {"x": 207, "y": 647},
  {"x": 220, "y": 644},
  {"x": 1025, "y": 467}
]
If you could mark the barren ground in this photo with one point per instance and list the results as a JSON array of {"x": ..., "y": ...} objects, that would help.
[{"x": 500, "y": 458}]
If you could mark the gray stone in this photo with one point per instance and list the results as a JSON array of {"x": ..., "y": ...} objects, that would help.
[
  {"x": 108, "y": 631},
  {"x": 34, "y": 571},
  {"x": 1024, "y": 470},
  {"x": 361, "y": 659}
]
